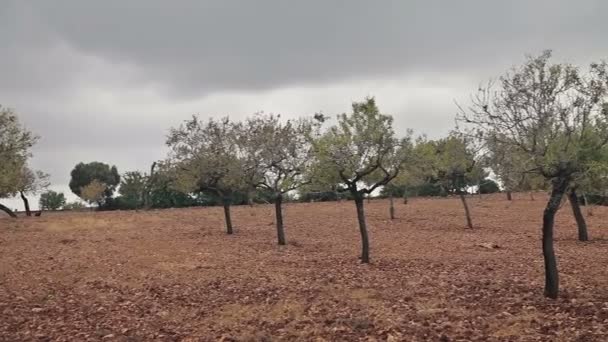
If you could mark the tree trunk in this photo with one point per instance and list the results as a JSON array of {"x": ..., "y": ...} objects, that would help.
[
  {"x": 551, "y": 274},
  {"x": 26, "y": 204},
  {"x": 392, "y": 208},
  {"x": 8, "y": 211},
  {"x": 531, "y": 195},
  {"x": 578, "y": 215},
  {"x": 466, "y": 209},
  {"x": 405, "y": 195},
  {"x": 362, "y": 229},
  {"x": 585, "y": 202},
  {"x": 227, "y": 217},
  {"x": 279, "y": 214},
  {"x": 147, "y": 196},
  {"x": 587, "y": 205},
  {"x": 509, "y": 196}
]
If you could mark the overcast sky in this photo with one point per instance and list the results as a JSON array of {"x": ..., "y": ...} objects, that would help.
[{"x": 105, "y": 80}]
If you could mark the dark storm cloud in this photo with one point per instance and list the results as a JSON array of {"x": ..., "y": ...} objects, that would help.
[
  {"x": 104, "y": 80},
  {"x": 201, "y": 46}
]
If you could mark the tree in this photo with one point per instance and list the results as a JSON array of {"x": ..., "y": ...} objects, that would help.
[
  {"x": 533, "y": 182},
  {"x": 363, "y": 153},
  {"x": 280, "y": 153},
  {"x": 94, "y": 192},
  {"x": 133, "y": 189},
  {"x": 410, "y": 177},
  {"x": 84, "y": 174},
  {"x": 150, "y": 180},
  {"x": 31, "y": 182},
  {"x": 555, "y": 115},
  {"x": 456, "y": 166},
  {"x": 452, "y": 164},
  {"x": 15, "y": 144},
  {"x": 51, "y": 200},
  {"x": 163, "y": 191},
  {"x": 206, "y": 157}
]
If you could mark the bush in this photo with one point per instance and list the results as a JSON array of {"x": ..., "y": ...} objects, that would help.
[
  {"x": 74, "y": 206},
  {"x": 429, "y": 189},
  {"x": 488, "y": 186},
  {"x": 321, "y": 196}
]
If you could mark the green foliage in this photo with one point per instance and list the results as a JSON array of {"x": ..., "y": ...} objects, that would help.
[
  {"x": 163, "y": 193},
  {"x": 15, "y": 144},
  {"x": 84, "y": 174},
  {"x": 52, "y": 200},
  {"x": 393, "y": 190},
  {"x": 132, "y": 189},
  {"x": 549, "y": 119},
  {"x": 206, "y": 156},
  {"x": 321, "y": 196},
  {"x": 488, "y": 186},
  {"x": 278, "y": 153},
  {"x": 361, "y": 151},
  {"x": 74, "y": 206},
  {"x": 449, "y": 163},
  {"x": 429, "y": 190}
]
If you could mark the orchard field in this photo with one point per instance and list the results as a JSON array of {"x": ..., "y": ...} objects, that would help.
[{"x": 174, "y": 274}]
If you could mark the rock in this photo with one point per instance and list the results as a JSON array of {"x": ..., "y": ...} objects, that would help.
[{"x": 37, "y": 310}]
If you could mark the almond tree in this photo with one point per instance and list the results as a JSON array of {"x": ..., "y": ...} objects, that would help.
[
  {"x": 363, "y": 153},
  {"x": 279, "y": 153},
  {"x": 15, "y": 144},
  {"x": 555, "y": 115},
  {"x": 205, "y": 157}
]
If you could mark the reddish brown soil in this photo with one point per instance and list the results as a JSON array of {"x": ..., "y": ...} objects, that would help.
[{"x": 175, "y": 275}]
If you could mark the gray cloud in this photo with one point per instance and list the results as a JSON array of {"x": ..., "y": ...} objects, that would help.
[
  {"x": 194, "y": 47},
  {"x": 104, "y": 80}
]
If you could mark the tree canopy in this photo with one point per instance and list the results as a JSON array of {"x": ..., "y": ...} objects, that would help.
[
  {"x": 52, "y": 200},
  {"x": 278, "y": 154},
  {"x": 362, "y": 152},
  {"x": 15, "y": 144},
  {"x": 555, "y": 117},
  {"x": 84, "y": 174}
]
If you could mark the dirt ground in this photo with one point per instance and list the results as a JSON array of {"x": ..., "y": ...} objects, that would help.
[{"x": 175, "y": 275}]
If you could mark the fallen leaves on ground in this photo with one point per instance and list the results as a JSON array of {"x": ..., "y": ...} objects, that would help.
[{"x": 172, "y": 275}]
